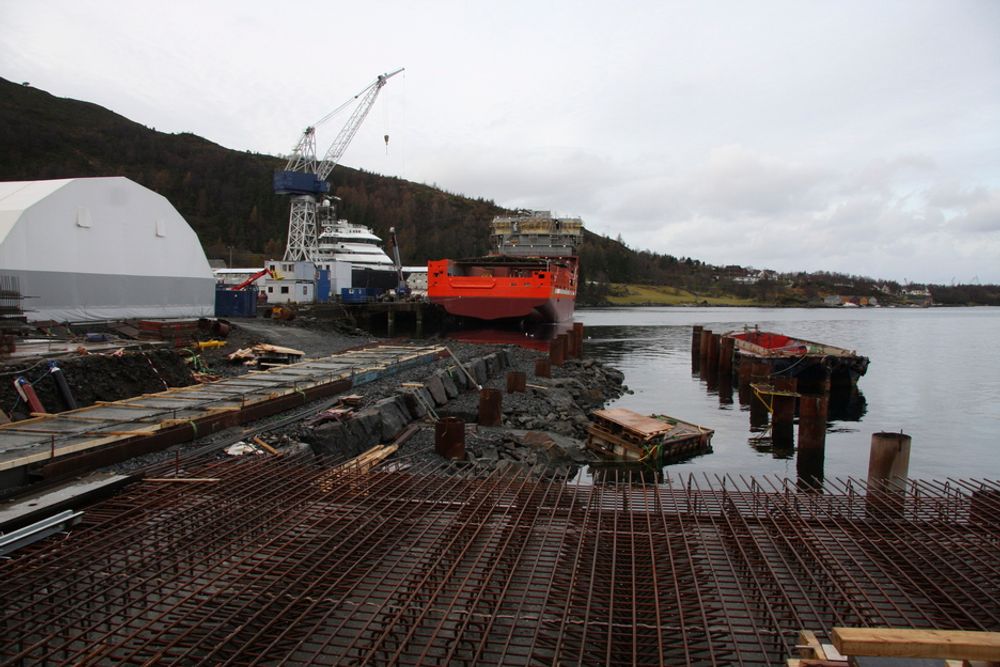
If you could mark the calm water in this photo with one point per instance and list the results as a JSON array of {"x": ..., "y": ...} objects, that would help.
[{"x": 934, "y": 374}]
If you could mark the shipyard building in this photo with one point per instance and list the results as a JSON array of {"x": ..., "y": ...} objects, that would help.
[{"x": 85, "y": 249}]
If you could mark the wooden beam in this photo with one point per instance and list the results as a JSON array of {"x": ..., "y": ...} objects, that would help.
[
  {"x": 263, "y": 445},
  {"x": 888, "y": 642}
]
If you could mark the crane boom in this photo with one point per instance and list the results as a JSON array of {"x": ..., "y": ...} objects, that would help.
[
  {"x": 339, "y": 145},
  {"x": 304, "y": 177}
]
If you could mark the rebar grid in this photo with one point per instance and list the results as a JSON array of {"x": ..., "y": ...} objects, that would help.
[{"x": 286, "y": 560}]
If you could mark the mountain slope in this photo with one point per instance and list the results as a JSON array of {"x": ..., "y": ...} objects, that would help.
[
  {"x": 225, "y": 195},
  {"x": 227, "y": 198}
]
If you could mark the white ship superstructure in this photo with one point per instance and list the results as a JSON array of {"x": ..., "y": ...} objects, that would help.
[{"x": 345, "y": 242}]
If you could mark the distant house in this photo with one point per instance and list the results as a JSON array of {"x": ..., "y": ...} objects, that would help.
[{"x": 832, "y": 300}]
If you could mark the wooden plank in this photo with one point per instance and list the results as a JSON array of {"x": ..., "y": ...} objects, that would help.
[
  {"x": 888, "y": 642},
  {"x": 645, "y": 427},
  {"x": 809, "y": 646},
  {"x": 263, "y": 445}
]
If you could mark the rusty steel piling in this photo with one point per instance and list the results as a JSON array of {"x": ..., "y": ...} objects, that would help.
[
  {"x": 704, "y": 348},
  {"x": 516, "y": 381},
  {"x": 490, "y": 407},
  {"x": 557, "y": 351},
  {"x": 449, "y": 438},
  {"x": 888, "y": 470},
  {"x": 696, "y": 348},
  {"x": 726, "y": 347},
  {"x": 783, "y": 412},
  {"x": 812, "y": 436}
]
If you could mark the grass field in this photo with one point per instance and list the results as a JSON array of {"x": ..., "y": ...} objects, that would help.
[{"x": 653, "y": 295}]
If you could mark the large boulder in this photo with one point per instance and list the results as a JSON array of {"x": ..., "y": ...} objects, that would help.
[
  {"x": 450, "y": 389},
  {"x": 393, "y": 416},
  {"x": 436, "y": 389},
  {"x": 477, "y": 367}
]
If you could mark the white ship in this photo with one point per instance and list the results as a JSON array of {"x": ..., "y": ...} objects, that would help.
[{"x": 343, "y": 241}]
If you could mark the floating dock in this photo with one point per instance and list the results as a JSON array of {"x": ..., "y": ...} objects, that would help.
[
  {"x": 778, "y": 354},
  {"x": 625, "y": 435},
  {"x": 274, "y": 559},
  {"x": 70, "y": 442}
]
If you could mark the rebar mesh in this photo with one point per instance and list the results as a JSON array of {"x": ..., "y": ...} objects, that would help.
[{"x": 282, "y": 560}]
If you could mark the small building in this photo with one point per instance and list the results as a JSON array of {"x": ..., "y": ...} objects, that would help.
[
  {"x": 292, "y": 282},
  {"x": 84, "y": 249}
]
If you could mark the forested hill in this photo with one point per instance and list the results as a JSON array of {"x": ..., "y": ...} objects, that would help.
[{"x": 227, "y": 197}]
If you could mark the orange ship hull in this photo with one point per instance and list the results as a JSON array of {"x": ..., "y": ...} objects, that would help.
[{"x": 496, "y": 288}]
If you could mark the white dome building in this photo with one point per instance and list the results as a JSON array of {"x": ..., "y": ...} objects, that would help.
[{"x": 101, "y": 249}]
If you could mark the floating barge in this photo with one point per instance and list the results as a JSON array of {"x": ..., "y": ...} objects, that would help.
[
  {"x": 533, "y": 272},
  {"x": 629, "y": 436},
  {"x": 797, "y": 357}
]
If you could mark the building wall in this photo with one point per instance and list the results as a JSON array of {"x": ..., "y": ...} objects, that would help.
[{"x": 102, "y": 248}]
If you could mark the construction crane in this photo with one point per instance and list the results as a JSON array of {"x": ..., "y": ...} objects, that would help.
[
  {"x": 304, "y": 177},
  {"x": 401, "y": 287},
  {"x": 252, "y": 279}
]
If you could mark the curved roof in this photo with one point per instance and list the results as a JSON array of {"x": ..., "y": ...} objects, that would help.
[
  {"x": 101, "y": 248},
  {"x": 95, "y": 225}
]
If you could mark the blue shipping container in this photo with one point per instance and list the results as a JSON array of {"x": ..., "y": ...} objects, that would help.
[
  {"x": 360, "y": 294},
  {"x": 232, "y": 303}
]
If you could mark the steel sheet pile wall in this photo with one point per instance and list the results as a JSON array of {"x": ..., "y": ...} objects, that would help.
[{"x": 283, "y": 559}]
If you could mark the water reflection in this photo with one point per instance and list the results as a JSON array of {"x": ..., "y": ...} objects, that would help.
[
  {"x": 913, "y": 376},
  {"x": 648, "y": 354},
  {"x": 523, "y": 334}
]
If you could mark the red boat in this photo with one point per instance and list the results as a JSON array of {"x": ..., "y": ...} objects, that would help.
[{"x": 533, "y": 272}]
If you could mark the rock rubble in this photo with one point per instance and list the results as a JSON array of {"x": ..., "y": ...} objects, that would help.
[{"x": 544, "y": 429}]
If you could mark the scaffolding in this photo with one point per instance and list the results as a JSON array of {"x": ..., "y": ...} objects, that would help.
[{"x": 416, "y": 562}]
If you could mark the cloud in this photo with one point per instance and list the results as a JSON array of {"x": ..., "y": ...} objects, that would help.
[
  {"x": 979, "y": 212},
  {"x": 885, "y": 218}
]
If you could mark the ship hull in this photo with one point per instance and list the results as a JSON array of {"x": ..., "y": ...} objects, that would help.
[
  {"x": 493, "y": 308},
  {"x": 497, "y": 290}
]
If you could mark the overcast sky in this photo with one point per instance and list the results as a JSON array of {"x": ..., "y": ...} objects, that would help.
[{"x": 861, "y": 137}]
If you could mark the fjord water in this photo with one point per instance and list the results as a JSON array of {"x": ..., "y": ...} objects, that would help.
[{"x": 934, "y": 375}]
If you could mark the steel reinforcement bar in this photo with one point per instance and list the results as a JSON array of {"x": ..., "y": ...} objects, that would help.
[{"x": 285, "y": 559}]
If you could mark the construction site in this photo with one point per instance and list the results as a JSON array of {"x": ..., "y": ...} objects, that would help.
[
  {"x": 395, "y": 554},
  {"x": 178, "y": 489},
  {"x": 288, "y": 559}
]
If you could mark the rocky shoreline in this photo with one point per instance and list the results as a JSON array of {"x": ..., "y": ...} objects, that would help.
[{"x": 543, "y": 428}]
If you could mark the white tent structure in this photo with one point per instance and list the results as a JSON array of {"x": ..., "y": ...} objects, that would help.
[{"x": 99, "y": 249}]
